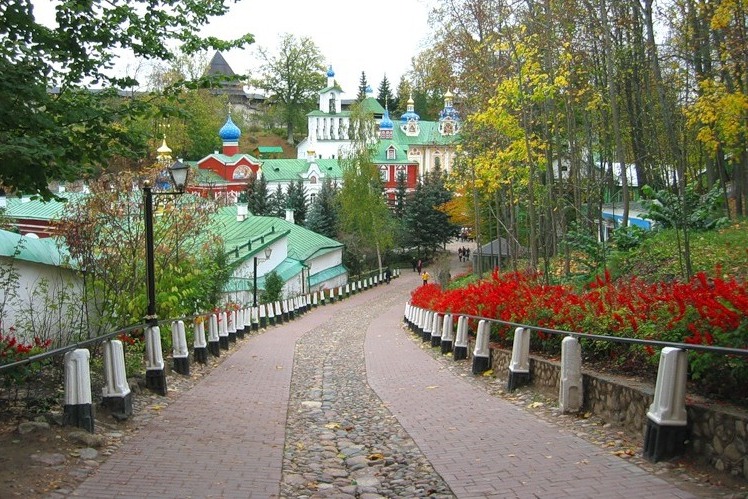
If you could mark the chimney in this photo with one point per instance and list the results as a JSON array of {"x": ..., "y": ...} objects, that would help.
[
  {"x": 242, "y": 211},
  {"x": 289, "y": 215}
]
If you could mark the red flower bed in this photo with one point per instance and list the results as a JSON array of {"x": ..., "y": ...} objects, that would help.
[{"x": 705, "y": 310}]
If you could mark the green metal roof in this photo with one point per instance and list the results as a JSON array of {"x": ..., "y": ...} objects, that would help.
[
  {"x": 264, "y": 149},
  {"x": 429, "y": 135},
  {"x": 44, "y": 251},
  {"x": 303, "y": 243},
  {"x": 371, "y": 105},
  {"x": 36, "y": 209},
  {"x": 200, "y": 176},
  {"x": 326, "y": 274},
  {"x": 290, "y": 170},
  {"x": 401, "y": 153}
]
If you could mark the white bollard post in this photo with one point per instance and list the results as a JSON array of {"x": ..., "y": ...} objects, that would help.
[
  {"x": 481, "y": 352},
  {"x": 116, "y": 392},
  {"x": 278, "y": 311},
  {"x": 428, "y": 322},
  {"x": 519, "y": 367},
  {"x": 332, "y": 295},
  {"x": 240, "y": 320},
  {"x": 254, "y": 317},
  {"x": 340, "y": 292},
  {"x": 347, "y": 289},
  {"x": 436, "y": 330},
  {"x": 199, "y": 345},
  {"x": 667, "y": 419},
  {"x": 571, "y": 395},
  {"x": 155, "y": 376},
  {"x": 460, "y": 351},
  {"x": 271, "y": 314},
  {"x": 223, "y": 330},
  {"x": 447, "y": 334},
  {"x": 179, "y": 348},
  {"x": 231, "y": 325},
  {"x": 315, "y": 300},
  {"x": 78, "y": 410},
  {"x": 214, "y": 341}
]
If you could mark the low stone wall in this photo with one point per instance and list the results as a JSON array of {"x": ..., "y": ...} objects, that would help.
[{"x": 719, "y": 434}]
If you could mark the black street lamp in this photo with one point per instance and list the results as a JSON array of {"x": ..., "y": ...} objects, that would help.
[
  {"x": 155, "y": 378},
  {"x": 268, "y": 251}
]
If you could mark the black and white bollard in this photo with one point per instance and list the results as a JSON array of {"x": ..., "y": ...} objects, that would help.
[
  {"x": 231, "y": 325},
  {"x": 315, "y": 300},
  {"x": 331, "y": 298},
  {"x": 271, "y": 313},
  {"x": 116, "y": 395},
  {"x": 481, "y": 352},
  {"x": 340, "y": 293},
  {"x": 262, "y": 316},
  {"x": 255, "y": 318},
  {"x": 214, "y": 341},
  {"x": 460, "y": 351},
  {"x": 436, "y": 330},
  {"x": 240, "y": 322},
  {"x": 667, "y": 429},
  {"x": 519, "y": 366},
  {"x": 447, "y": 334},
  {"x": 427, "y": 324},
  {"x": 406, "y": 314},
  {"x": 571, "y": 394},
  {"x": 247, "y": 317},
  {"x": 199, "y": 345},
  {"x": 179, "y": 348},
  {"x": 347, "y": 290},
  {"x": 155, "y": 376},
  {"x": 278, "y": 311},
  {"x": 223, "y": 331},
  {"x": 78, "y": 410},
  {"x": 417, "y": 320}
]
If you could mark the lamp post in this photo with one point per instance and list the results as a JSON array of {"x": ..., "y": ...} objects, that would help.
[
  {"x": 268, "y": 251},
  {"x": 155, "y": 378}
]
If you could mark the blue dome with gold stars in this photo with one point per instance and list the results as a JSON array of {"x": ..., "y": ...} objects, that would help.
[{"x": 229, "y": 132}]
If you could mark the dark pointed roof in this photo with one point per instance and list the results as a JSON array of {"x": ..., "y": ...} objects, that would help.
[{"x": 218, "y": 65}]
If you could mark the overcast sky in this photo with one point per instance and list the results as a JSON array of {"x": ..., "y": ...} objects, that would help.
[{"x": 352, "y": 36}]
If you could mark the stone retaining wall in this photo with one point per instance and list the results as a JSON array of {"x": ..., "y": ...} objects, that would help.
[{"x": 719, "y": 434}]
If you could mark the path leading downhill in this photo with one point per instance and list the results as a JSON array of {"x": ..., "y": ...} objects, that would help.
[{"x": 342, "y": 402}]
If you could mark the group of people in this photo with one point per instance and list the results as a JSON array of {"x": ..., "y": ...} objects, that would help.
[{"x": 463, "y": 254}]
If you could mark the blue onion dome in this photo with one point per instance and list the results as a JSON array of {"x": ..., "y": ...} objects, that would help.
[
  {"x": 330, "y": 72},
  {"x": 409, "y": 115},
  {"x": 386, "y": 123},
  {"x": 229, "y": 132}
]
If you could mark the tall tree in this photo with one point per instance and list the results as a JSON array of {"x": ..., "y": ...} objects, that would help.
[
  {"x": 363, "y": 87},
  {"x": 277, "y": 203},
  {"x": 71, "y": 132},
  {"x": 384, "y": 94},
  {"x": 404, "y": 91},
  {"x": 296, "y": 200},
  {"x": 364, "y": 214},
  {"x": 258, "y": 200},
  {"x": 323, "y": 214},
  {"x": 292, "y": 77}
]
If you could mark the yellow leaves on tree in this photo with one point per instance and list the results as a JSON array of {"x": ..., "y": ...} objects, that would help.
[{"x": 719, "y": 117}]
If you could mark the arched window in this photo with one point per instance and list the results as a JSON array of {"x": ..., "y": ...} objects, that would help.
[{"x": 312, "y": 179}]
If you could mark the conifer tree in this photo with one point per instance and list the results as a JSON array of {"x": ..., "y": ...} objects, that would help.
[
  {"x": 384, "y": 95},
  {"x": 277, "y": 203},
  {"x": 323, "y": 214},
  {"x": 362, "y": 86}
]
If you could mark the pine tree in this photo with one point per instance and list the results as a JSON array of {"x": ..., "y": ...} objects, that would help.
[
  {"x": 426, "y": 226},
  {"x": 323, "y": 214},
  {"x": 399, "y": 106},
  {"x": 384, "y": 96},
  {"x": 400, "y": 195},
  {"x": 277, "y": 203},
  {"x": 362, "y": 86},
  {"x": 257, "y": 197},
  {"x": 296, "y": 200}
]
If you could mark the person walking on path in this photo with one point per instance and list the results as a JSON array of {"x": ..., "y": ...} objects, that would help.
[
  {"x": 420, "y": 265},
  {"x": 425, "y": 277}
]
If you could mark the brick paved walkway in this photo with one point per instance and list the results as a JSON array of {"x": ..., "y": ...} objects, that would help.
[{"x": 225, "y": 437}]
